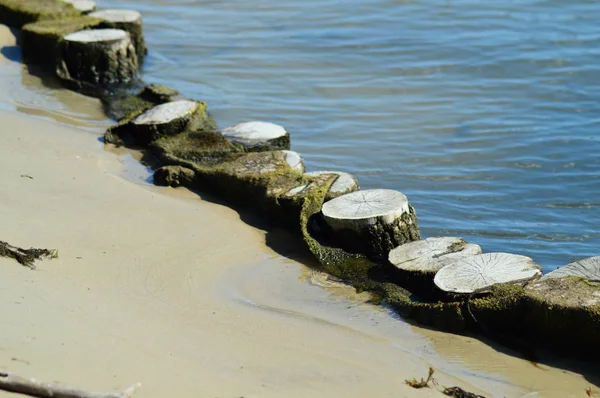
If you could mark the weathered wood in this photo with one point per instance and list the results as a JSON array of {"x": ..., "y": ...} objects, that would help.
[
  {"x": 127, "y": 20},
  {"x": 98, "y": 57},
  {"x": 588, "y": 268},
  {"x": 295, "y": 161},
  {"x": 85, "y": 6},
  {"x": 32, "y": 387},
  {"x": 478, "y": 273},
  {"x": 430, "y": 255},
  {"x": 344, "y": 183},
  {"x": 258, "y": 136},
  {"x": 372, "y": 221}
]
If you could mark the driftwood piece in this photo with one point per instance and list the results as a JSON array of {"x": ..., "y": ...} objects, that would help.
[
  {"x": 127, "y": 20},
  {"x": 258, "y": 136},
  {"x": 32, "y": 387},
  {"x": 431, "y": 254},
  {"x": 343, "y": 184},
  {"x": 478, "y": 273},
  {"x": 98, "y": 57},
  {"x": 588, "y": 268},
  {"x": 372, "y": 222},
  {"x": 26, "y": 257}
]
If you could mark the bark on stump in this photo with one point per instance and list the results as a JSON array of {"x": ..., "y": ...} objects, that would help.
[
  {"x": 85, "y": 6},
  {"x": 479, "y": 273},
  {"x": 98, "y": 57},
  {"x": 258, "y": 136},
  {"x": 129, "y": 21},
  {"x": 344, "y": 183},
  {"x": 372, "y": 222},
  {"x": 588, "y": 268}
]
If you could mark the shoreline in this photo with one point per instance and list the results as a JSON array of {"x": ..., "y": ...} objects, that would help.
[{"x": 50, "y": 264}]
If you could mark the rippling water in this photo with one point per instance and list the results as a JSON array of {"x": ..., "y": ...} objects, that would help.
[{"x": 486, "y": 114}]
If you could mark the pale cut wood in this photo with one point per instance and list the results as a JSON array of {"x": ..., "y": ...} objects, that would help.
[
  {"x": 258, "y": 135},
  {"x": 84, "y": 6},
  {"x": 127, "y": 20},
  {"x": 588, "y": 268},
  {"x": 98, "y": 57},
  {"x": 295, "y": 161},
  {"x": 166, "y": 113},
  {"x": 114, "y": 15},
  {"x": 32, "y": 387},
  {"x": 430, "y": 255},
  {"x": 372, "y": 222},
  {"x": 344, "y": 183},
  {"x": 478, "y": 273}
]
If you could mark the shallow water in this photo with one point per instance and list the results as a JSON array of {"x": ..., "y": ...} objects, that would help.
[{"x": 484, "y": 113}]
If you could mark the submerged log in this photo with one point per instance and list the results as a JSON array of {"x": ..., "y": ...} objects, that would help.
[
  {"x": 17, "y": 13},
  {"x": 129, "y": 21},
  {"x": 98, "y": 57},
  {"x": 35, "y": 388},
  {"x": 431, "y": 254},
  {"x": 85, "y": 6},
  {"x": 343, "y": 184},
  {"x": 163, "y": 120},
  {"x": 588, "y": 268},
  {"x": 372, "y": 222},
  {"x": 478, "y": 273},
  {"x": 258, "y": 136},
  {"x": 40, "y": 41}
]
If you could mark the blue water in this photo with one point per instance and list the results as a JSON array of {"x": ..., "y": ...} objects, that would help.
[{"x": 485, "y": 114}]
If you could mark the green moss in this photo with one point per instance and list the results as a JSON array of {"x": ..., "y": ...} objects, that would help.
[
  {"x": 17, "y": 13},
  {"x": 204, "y": 147},
  {"x": 158, "y": 93},
  {"x": 174, "y": 176},
  {"x": 40, "y": 40},
  {"x": 119, "y": 106}
]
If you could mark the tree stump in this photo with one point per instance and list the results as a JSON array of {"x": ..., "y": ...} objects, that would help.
[
  {"x": 431, "y": 254},
  {"x": 344, "y": 183},
  {"x": 85, "y": 6},
  {"x": 372, "y": 222},
  {"x": 98, "y": 57},
  {"x": 163, "y": 120},
  {"x": 478, "y": 273},
  {"x": 295, "y": 161},
  {"x": 258, "y": 136},
  {"x": 588, "y": 268},
  {"x": 129, "y": 21},
  {"x": 17, "y": 13}
]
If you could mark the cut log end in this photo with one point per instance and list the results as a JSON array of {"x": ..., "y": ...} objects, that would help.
[
  {"x": 166, "y": 113},
  {"x": 430, "y": 255},
  {"x": 295, "y": 161},
  {"x": 114, "y": 15},
  {"x": 97, "y": 36},
  {"x": 344, "y": 183},
  {"x": 258, "y": 135},
  {"x": 478, "y": 273},
  {"x": 85, "y": 6},
  {"x": 372, "y": 221},
  {"x": 588, "y": 268}
]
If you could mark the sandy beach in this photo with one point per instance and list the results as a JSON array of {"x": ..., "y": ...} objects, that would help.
[{"x": 156, "y": 285}]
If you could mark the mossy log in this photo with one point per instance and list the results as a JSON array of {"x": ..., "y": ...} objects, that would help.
[
  {"x": 119, "y": 107},
  {"x": 588, "y": 268},
  {"x": 258, "y": 136},
  {"x": 17, "y": 13},
  {"x": 175, "y": 176},
  {"x": 167, "y": 119},
  {"x": 372, "y": 222},
  {"x": 478, "y": 273},
  {"x": 129, "y": 21},
  {"x": 344, "y": 183},
  {"x": 40, "y": 41},
  {"x": 85, "y": 6},
  {"x": 97, "y": 58}
]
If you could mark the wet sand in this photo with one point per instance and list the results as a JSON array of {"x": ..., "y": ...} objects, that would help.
[{"x": 154, "y": 285}]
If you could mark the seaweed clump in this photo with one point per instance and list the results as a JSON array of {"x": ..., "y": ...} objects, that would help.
[{"x": 25, "y": 257}]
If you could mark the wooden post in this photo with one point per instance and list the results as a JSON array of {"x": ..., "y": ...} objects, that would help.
[
  {"x": 372, "y": 222},
  {"x": 588, "y": 268},
  {"x": 129, "y": 21},
  {"x": 258, "y": 136},
  {"x": 344, "y": 183}
]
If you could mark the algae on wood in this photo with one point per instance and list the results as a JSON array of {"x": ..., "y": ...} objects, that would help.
[
  {"x": 119, "y": 106},
  {"x": 40, "y": 41},
  {"x": 17, "y": 13},
  {"x": 372, "y": 222},
  {"x": 344, "y": 183},
  {"x": 478, "y": 273}
]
